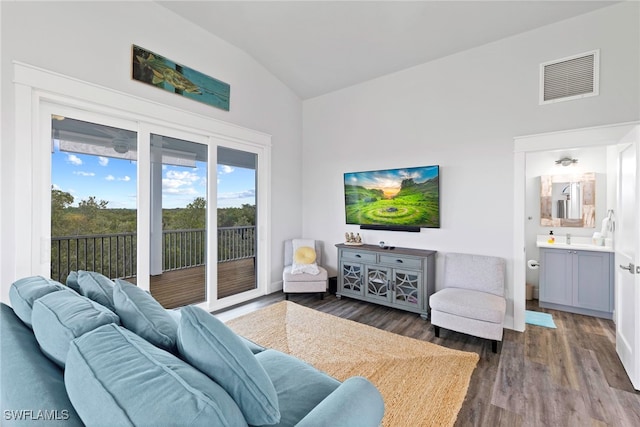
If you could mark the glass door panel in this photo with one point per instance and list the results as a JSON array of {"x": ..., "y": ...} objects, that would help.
[
  {"x": 236, "y": 203},
  {"x": 93, "y": 199},
  {"x": 178, "y": 253}
]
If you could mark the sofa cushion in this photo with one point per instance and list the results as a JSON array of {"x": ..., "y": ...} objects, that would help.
[
  {"x": 24, "y": 292},
  {"x": 471, "y": 304},
  {"x": 60, "y": 317},
  {"x": 30, "y": 381},
  {"x": 72, "y": 281},
  {"x": 110, "y": 368},
  {"x": 209, "y": 345},
  {"x": 300, "y": 386},
  {"x": 97, "y": 287},
  {"x": 141, "y": 313}
]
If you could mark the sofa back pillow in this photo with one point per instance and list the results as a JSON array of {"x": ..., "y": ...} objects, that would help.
[
  {"x": 72, "y": 281},
  {"x": 209, "y": 345},
  {"x": 96, "y": 287},
  {"x": 113, "y": 374},
  {"x": 24, "y": 292},
  {"x": 142, "y": 314},
  {"x": 60, "y": 317}
]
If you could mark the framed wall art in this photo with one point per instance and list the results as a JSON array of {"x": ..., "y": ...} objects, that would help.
[{"x": 153, "y": 69}]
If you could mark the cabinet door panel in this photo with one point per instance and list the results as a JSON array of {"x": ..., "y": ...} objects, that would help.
[
  {"x": 407, "y": 287},
  {"x": 556, "y": 276},
  {"x": 591, "y": 280},
  {"x": 377, "y": 286},
  {"x": 352, "y": 275}
]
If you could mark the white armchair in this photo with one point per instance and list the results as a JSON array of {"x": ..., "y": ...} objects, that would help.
[
  {"x": 303, "y": 282},
  {"x": 472, "y": 301}
]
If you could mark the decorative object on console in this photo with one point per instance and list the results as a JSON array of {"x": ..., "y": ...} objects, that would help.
[
  {"x": 155, "y": 70},
  {"x": 352, "y": 240},
  {"x": 405, "y": 199}
]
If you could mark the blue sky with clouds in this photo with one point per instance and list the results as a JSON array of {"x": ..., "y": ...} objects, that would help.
[{"x": 114, "y": 180}]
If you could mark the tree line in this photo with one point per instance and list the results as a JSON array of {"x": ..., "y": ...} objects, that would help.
[{"x": 93, "y": 216}]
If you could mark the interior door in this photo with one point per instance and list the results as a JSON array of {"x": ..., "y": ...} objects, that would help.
[{"x": 627, "y": 257}]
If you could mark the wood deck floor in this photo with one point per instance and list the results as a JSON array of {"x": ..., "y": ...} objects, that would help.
[
  {"x": 187, "y": 286},
  {"x": 569, "y": 376}
]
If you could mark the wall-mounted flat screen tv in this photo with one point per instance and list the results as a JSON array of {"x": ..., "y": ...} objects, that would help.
[{"x": 405, "y": 199}]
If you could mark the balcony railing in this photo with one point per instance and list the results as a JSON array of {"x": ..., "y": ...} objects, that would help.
[{"x": 115, "y": 256}]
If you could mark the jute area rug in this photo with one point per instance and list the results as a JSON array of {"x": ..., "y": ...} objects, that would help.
[{"x": 423, "y": 384}]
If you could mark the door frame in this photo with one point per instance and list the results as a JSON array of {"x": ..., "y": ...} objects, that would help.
[
  {"x": 36, "y": 87},
  {"x": 565, "y": 139}
]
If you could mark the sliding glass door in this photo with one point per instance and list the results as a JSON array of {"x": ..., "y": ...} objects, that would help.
[
  {"x": 178, "y": 221},
  {"x": 237, "y": 219},
  {"x": 132, "y": 199},
  {"x": 93, "y": 198}
]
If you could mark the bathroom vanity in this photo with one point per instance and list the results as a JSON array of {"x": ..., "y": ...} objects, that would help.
[{"x": 577, "y": 278}]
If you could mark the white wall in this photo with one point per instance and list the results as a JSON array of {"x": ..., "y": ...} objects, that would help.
[
  {"x": 462, "y": 112},
  {"x": 92, "y": 41}
]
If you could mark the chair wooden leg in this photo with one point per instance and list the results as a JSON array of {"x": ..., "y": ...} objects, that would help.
[
  {"x": 286, "y": 296},
  {"x": 494, "y": 346},
  {"x": 322, "y": 295},
  {"x": 436, "y": 330}
]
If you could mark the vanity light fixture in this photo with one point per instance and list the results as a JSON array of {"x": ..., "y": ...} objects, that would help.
[{"x": 566, "y": 161}]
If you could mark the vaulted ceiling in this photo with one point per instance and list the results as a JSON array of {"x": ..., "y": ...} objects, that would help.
[{"x": 316, "y": 47}]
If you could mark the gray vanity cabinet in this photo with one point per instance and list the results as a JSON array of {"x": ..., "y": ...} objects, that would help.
[
  {"x": 402, "y": 278},
  {"x": 577, "y": 281}
]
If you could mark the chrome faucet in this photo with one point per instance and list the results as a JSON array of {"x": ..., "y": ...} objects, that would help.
[{"x": 568, "y": 239}]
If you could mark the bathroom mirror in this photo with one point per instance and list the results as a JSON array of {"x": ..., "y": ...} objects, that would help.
[{"x": 568, "y": 200}]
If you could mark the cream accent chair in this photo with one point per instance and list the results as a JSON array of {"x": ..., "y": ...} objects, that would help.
[
  {"x": 303, "y": 283},
  {"x": 472, "y": 301}
]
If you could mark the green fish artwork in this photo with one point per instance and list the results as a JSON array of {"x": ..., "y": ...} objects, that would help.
[{"x": 153, "y": 69}]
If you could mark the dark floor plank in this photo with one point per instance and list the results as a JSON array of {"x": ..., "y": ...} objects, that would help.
[
  {"x": 596, "y": 393},
  {"x": 508, "y": 387}
]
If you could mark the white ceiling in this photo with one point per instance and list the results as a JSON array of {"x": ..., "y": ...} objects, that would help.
[{"x": 316, "y": 47}]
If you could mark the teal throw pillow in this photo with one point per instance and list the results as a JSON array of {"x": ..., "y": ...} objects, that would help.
[
  {"x": 24, "y": 292},
  {"x": 209, "y": 345},
  {"x": 142, "y": 314},
  {"x": 96, "y": 287},
  {"x": 60, "y": 317},
  {"x": 114, "y": 377}
]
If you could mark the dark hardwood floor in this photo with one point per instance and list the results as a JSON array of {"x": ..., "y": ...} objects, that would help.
[{"x": 569, "y": 376}]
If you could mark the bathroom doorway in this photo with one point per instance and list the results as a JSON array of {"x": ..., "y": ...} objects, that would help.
[{"x": 551, "y": 146}]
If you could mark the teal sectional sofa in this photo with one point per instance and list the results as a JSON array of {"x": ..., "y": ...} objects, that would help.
[{"x": 101, "y": 353}]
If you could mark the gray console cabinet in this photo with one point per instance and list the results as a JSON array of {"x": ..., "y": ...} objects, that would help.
[
  {"x": 577, "y": 281},
  {"x": 403, "y": 278}
]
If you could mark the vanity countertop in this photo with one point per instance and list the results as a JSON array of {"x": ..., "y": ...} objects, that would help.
[{"x": 577, "y": 243}]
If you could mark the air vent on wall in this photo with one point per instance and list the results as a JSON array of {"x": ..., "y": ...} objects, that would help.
[{"x": 569, "y": 78}]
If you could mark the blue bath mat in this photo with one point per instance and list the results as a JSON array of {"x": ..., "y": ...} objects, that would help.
[{"x": 539, "y": 319}]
